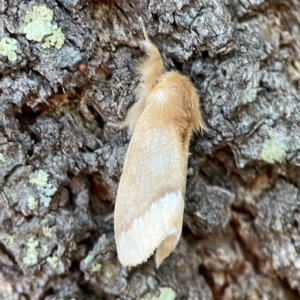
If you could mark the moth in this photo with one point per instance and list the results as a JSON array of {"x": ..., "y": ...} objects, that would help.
[{"x": 150, "y": 199}]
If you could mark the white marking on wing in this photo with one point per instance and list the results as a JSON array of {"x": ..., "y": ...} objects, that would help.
[{"x": 148, "y": 231}]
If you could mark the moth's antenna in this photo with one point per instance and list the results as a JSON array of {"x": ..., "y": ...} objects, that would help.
[{"x": 144, "y": 29}]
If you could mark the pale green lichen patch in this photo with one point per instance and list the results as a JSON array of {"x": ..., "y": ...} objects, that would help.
[
  {"x": 39, "y": 13},
  {"x": 57, "y": 39},
  {"x": 39, "y": 178},
  {"x": 46, "y": 190},
  {"x": 32, "y": 203},
  {"x": 8, "y": 46},
  {"x": 44, "y": 247},
  {"x": 273, "y": 151},
  {"x": 52, "y": 261},
  {"x": 2, "y": 159},
  {"x": 47, "y": 232},
  {"x": 8, "y": 239},
  {"x": 166, "y": 293},
  {"x": 39, "y": 25},
  {"x": 31, "y": 253},
  {"x": 96, "y": 268},
  {"x": 88, "y": 259}
]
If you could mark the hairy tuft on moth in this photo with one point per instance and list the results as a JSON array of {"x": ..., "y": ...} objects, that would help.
[{"x": 150, "y": 198}]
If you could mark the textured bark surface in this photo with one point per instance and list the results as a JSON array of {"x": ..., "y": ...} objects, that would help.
[{"x": 61, "y": 160}]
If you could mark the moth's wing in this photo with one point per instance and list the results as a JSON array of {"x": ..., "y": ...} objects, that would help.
[{"x": 150, "y": 199}]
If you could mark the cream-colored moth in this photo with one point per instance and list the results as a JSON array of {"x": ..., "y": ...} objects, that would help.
[{"x": 150, "y": 198}]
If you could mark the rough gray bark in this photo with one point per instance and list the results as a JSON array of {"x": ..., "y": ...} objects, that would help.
[{"x": 241, "y": 237}]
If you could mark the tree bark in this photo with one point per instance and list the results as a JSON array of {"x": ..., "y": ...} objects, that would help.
[{"x": 61, "y": 159}]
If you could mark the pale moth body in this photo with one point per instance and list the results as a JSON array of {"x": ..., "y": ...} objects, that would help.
[{"x": 150, "y": 198}]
